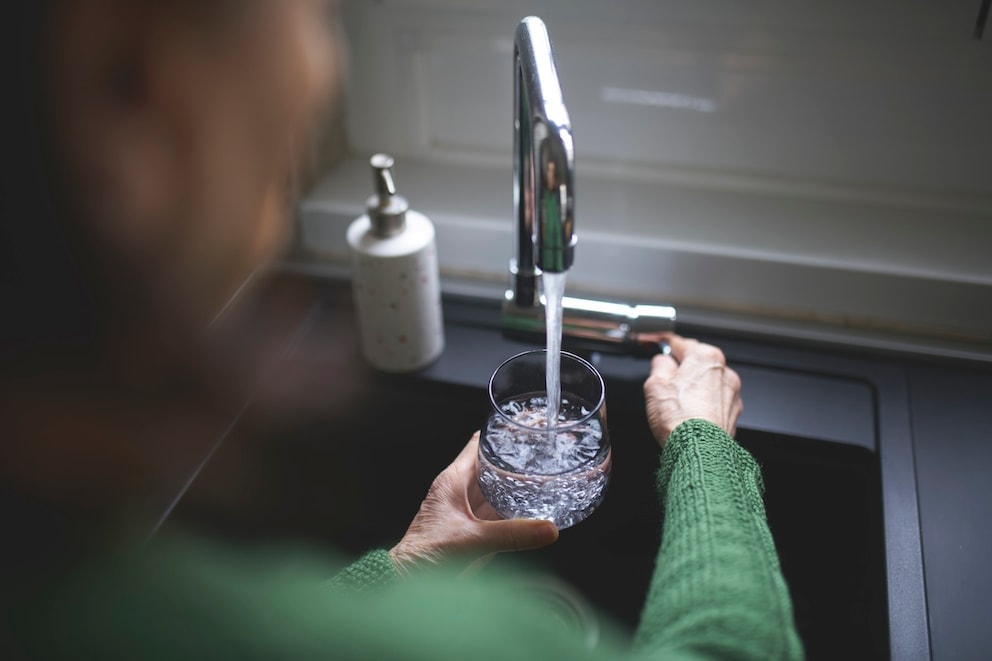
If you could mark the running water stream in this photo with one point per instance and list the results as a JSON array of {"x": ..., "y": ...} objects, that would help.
[
  {"x": 554, "y": 291},
  {"x": 563, "y": 478}
]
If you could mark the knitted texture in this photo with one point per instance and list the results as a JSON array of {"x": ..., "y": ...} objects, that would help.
[
  {"x": 717, "y": 589},
  {"x": 373, "y": 569},
  {"x": 717, "y": 593}
]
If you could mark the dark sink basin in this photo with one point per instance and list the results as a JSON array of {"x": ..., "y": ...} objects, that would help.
[
  {"x": 353, "y": 480},
  {"x": 825, "y": 512},
  {"x": 347, "y": 465}
]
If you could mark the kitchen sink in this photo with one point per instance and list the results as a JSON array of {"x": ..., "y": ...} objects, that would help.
[
  {"x": 350, "y": 472},
  {"x": 354, "y": 481}
]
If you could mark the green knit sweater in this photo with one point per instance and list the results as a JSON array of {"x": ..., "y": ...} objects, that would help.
[{"x": 717, "y": 592}]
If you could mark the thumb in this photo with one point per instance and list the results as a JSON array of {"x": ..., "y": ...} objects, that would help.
[{"x": 520, "y": 534}]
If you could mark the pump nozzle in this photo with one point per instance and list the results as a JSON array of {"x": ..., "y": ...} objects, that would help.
[{"x": 386, "y": 209}]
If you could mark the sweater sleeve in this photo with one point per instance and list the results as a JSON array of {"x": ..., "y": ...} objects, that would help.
[
  {"x": 717, "y": 589},
  {"x": 371, "y": 570},
  {"x": 717, "y": 592}
]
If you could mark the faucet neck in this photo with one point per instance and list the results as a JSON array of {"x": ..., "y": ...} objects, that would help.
[{"x": 543, "y": 164}]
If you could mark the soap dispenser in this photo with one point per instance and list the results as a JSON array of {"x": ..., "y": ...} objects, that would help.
[{"x": 395, "y": 280}]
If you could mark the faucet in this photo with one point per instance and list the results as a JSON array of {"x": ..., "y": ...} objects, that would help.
[
  {"x": 543, "y": 164},
  {"x": 544, "y": 201}
]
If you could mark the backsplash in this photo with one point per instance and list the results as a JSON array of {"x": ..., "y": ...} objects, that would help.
[
  {"x": 823, "y": 164},
  {"x": 883, "y": 100}
]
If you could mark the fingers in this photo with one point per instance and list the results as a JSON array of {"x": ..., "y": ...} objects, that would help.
[
  {"x": 693, "y": 381},
  {"x": 664, "y": 367},
  {"x": 518, "y": 534},
  {"x": 687, "y": 349},
  {"x": 680, "y": 346},
  {"x": 735, "y": 413},
  {"x": 448, "y": 522},
  {"x": 466, "y": 458},
  {"x": 463, "y": 466},
  {"x": 731, "y": 379},
  {"x": 686, "y": 356}
]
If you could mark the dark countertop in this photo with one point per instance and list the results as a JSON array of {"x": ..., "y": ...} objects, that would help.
[
  {"x": 949, "y": 425},
  {"x": 952, "y": 438},
  {"x": 926, "y": 422}
]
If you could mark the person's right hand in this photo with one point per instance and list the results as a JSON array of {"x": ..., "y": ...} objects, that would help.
[
  {"x": 693, "y": 381},
  {"x": 455, "y": 523}
]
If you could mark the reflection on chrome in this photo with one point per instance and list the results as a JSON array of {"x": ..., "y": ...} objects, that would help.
[
  {"x": 658, "y": 99},
  {"x": 544, "y": 224}
]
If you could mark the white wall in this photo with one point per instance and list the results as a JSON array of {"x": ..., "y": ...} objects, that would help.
[{"x": 823, "y": 161}]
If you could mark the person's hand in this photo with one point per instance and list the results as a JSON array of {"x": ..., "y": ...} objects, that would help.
[
  {"x": 455, "y": 523},
  {"x": 693, "y": 381}
]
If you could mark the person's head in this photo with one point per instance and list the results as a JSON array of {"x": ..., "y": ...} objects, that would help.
[
  {"x": 150, "y": 147},
  {"x": 170, "y": 130}
]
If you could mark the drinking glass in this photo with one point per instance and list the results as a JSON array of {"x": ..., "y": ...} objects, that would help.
[{"x": 528, "y": 469}]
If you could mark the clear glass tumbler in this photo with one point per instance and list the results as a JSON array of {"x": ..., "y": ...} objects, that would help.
[{"x": 528, "y": 469}]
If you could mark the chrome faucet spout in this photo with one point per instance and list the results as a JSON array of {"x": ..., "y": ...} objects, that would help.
[
  {"x": 544, "y": 202},
  {"x": 543, "y": 163}
]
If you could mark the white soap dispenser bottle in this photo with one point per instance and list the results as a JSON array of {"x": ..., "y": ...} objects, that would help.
[{"x": 395, "y": 280}]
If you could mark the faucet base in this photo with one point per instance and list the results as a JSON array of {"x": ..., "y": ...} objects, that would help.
[{"x": 594, "y": 325}]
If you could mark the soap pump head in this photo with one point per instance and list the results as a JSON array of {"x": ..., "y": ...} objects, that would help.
[{"x": 386, "y": 209}]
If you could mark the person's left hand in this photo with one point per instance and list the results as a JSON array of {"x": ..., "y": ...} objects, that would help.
[{"x": 456, "y": 523}]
